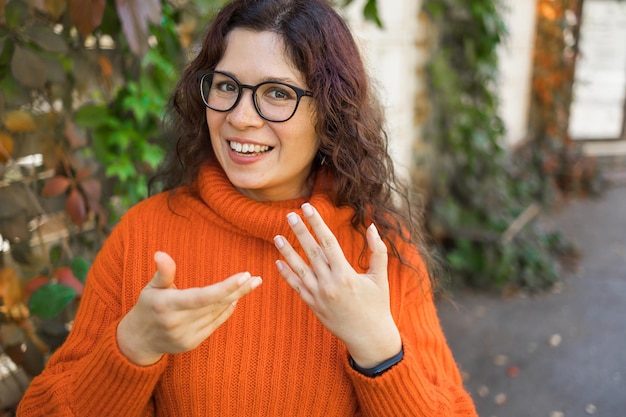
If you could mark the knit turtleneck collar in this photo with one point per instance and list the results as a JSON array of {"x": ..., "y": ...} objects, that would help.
[{"x": 263, "y": 220}]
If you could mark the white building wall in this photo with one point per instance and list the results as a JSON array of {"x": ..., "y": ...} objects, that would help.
[
  {"x": 391, "y": 54},
  {"x": 516, "y": 66}
]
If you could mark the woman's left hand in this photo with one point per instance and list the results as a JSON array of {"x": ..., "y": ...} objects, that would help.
[{"x": 354, "y": 307}]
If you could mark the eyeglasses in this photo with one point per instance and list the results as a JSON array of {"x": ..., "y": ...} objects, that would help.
[{"x": 274, "y": 101}]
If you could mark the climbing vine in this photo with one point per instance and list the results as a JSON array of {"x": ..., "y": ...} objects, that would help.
[
  {"x": 560, "y": 167},
  {"x": 480, "y": 217}
]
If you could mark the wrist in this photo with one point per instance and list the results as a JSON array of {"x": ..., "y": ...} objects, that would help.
[
  {"x": 372, "y": 351},
  {"x": 127, "y": 343}
]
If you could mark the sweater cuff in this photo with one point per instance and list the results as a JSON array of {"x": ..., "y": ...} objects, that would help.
[
  {"x": 123, "y": 388},
  {"x": 399, "y": 389}
]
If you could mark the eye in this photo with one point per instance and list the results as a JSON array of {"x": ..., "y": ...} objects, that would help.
[
  {"x": 225, "y": 86},
  {"x": 278, "y": 92}
]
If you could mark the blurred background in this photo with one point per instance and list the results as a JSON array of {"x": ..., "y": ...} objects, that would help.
[{"x": 507, "y": 117}]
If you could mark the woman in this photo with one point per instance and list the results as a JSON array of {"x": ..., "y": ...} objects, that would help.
[{"x": 279, "y": 154}]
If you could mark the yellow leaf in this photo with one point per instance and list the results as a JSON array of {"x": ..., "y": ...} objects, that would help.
[
  {"x": 10, "y": 288},
  {"x": 19, "y": 121},
  {"x": 6, "y": 147},
  {"x": 55, "y": 7}
]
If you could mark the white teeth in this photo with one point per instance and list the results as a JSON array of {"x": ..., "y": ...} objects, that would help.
[{"x": 248, "y": 148}]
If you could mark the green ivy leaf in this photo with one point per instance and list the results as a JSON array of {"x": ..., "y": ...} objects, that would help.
[
  {"x": 80, "y": 268},
  {"x": 13, "y": 92},
  {"x": 46, "y": 39},
  {"x": 55, "y": 254},
  {"x": 15, "y": 13},
  {"x": 153, "y": 155},
  {"x": 49, "y": 300},
  {"x": 91, "y": 115},
  {"x": 28, "y": 68},
  {"x": 370, "y": 12},
  {"x": 122, "y": 168}
]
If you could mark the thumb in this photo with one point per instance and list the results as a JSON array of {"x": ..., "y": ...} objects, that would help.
[
  {"x": 378, "y": 259},
  {"x": 166, "y": 270}
]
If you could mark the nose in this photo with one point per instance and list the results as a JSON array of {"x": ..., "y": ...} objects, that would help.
[{"x": 244, "y": 114}]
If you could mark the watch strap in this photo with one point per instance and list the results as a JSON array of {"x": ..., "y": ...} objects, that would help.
[{"x": 380, "y": 368}]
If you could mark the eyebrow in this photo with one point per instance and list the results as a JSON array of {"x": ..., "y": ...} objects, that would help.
[{"x": 268, "y": 79}]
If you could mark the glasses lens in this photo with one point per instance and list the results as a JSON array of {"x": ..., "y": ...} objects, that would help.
[
  {"x": 276, "y": 102},
  {"x": 219, "y": 91}
]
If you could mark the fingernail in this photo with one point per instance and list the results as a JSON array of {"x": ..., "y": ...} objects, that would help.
[
  {"x": 374, "y": 228},
  {"x": 279, "y": 241},
  {"x": 307, "y": 209},
  {"x": 279, "y": 265},
  {"x": 245, "y": 277},
  {"x": 256, "y": 281},
  {"x": 292, "y": 218}
]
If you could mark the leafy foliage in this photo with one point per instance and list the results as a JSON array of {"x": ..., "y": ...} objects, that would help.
[
  {"x": 83, "y": 86},
  {"x": 560, "y": 165},
  {"x": 476, "y": 199}
]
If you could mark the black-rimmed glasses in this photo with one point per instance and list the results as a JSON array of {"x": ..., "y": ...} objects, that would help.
[{"x": 274, "y": 101}]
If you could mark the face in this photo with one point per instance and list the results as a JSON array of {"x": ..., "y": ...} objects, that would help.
[{"x": 278, "y": 159}]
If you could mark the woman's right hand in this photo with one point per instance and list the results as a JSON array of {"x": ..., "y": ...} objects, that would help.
[{"x": 169, "y": 320}]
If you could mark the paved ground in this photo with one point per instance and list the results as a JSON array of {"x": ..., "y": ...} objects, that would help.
[{"x": 560, "y": 354}]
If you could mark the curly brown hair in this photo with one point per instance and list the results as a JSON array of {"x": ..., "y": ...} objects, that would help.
[{"x": 353, "y": 144}]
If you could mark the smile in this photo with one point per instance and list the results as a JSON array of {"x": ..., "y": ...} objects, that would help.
[{"x": 248, "y": 148}]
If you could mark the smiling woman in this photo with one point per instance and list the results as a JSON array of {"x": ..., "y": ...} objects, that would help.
[{"x": 278, "y": 274}]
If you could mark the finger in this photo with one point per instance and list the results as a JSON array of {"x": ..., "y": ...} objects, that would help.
[
  {"x": 327, "y": 240},
  {"x": 379, "y": 256},
  {"x": 224, "y": 292},
  {"x": 306, "y": 239},
  {"x": 166, "y": 270},
  {"x": 295, "y": 282},
  {"x": 297, "y": 265}
]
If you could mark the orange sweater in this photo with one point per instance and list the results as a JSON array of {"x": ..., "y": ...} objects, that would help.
[{"x": 272, "y": 357}]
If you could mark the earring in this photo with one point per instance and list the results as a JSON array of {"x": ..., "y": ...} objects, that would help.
[{"x": 322, "y": 158}]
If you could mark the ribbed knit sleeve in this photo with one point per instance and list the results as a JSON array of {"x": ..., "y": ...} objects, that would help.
[
  {"x": 427, "y": 381},
  {"x": 88, "y": 375}
]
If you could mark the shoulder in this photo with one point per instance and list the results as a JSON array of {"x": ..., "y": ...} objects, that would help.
[{"x": 159, "y": 206}]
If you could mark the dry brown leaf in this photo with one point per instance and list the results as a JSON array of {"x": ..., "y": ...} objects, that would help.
[
  {"x": 75, "y": 139},
  {"x": 86, "y": 15},
  {"x": 76, "y": 208},
  {"x": 512, "y": 371},
  {"x": 500, "y": 399},
  {"x": 55, "y": 186},
  {"x": 105, "y": 66},
  {"x": 555, "y": 340}
]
